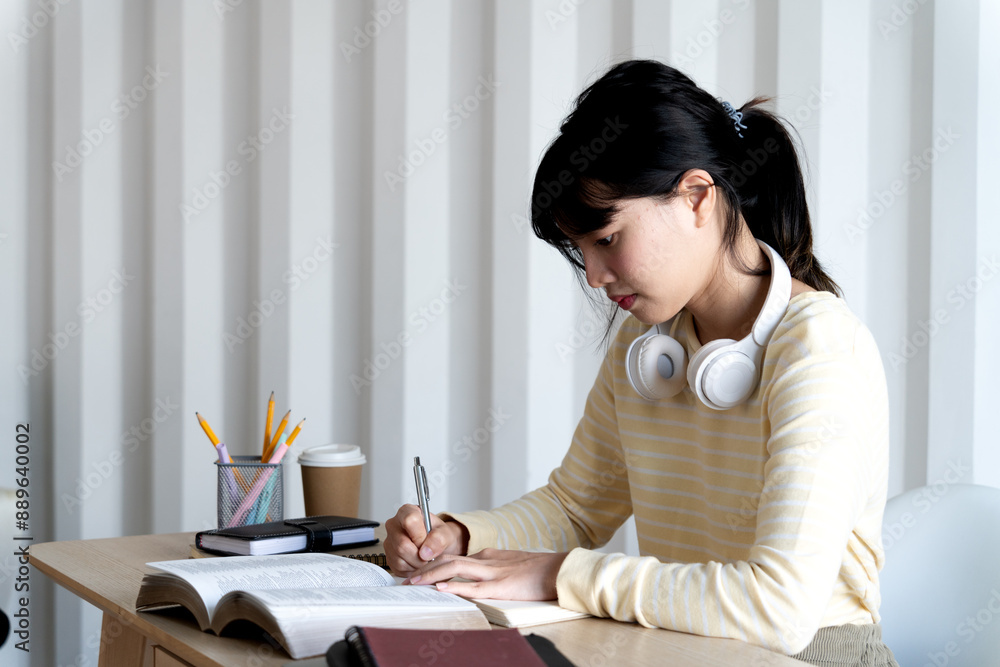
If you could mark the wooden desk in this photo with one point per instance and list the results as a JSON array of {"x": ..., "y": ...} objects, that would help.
[{"x": 107, "y": 573}]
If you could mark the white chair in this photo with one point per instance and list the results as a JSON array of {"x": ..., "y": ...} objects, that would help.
[{"x": 941, "y": 581}]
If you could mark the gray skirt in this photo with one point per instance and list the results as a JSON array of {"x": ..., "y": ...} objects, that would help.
[{"x": 848, "y": 646}]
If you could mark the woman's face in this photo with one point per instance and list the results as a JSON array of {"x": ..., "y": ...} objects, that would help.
[{"x": 654, "y": 257}]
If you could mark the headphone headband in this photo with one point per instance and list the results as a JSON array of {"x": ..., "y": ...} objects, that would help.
[{"x": 776, "y": 302}]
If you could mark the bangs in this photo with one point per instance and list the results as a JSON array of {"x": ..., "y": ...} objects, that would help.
[{"x": 579, "y": 208}]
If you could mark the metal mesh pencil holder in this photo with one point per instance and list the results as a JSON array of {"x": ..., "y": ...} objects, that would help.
[{"x": 249, "y": 492}]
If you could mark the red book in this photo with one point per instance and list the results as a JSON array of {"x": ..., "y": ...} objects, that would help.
[{"x": 388, "y": 647}]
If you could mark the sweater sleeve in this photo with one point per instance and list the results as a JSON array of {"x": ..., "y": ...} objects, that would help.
[
  {"x": 586, "y": 498},
  {"x": 822, "y": 410}
]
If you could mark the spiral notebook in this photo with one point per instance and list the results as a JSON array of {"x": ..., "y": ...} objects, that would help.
[{"x": 357, "y": 553}]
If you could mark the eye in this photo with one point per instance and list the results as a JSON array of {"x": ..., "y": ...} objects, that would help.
[{"x": 606, "y": 241}]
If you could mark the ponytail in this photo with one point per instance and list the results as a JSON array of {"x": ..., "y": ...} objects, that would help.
[{"x": 772, "y": 194}]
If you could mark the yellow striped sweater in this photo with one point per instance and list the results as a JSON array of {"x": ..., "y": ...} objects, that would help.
[{"x": 760, "y": 523}]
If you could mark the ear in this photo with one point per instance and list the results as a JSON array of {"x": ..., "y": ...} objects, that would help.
[{"x": 698, "y": 192}]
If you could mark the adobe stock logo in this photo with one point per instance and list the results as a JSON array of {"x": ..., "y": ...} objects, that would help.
[
  {"x": 262, "y": 310},
  {"x": 464, "y": 450},
  {"x": 913, "y": 168},
  {"x": 960, "y": 295},
  {"x": 579, "y": 337},
  {"x": 425, "y": 147},
  {"x": 88, "y": 310},
  {"x": 249, "y": 148},
  {"x": 898, "y": 17},
  {"x": 363, "y": 35},
  {"x": 101, "y": 471},
  {"x": 121, "y": 107},
  {"x": 419, "y": 321},
  {"x": 30, "y": 27},
  {"x": 710, "y": 33},
  {"x": 223, "y": 7}
]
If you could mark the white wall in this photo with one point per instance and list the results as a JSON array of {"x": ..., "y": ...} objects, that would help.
[{"x": 386, "y": 201}]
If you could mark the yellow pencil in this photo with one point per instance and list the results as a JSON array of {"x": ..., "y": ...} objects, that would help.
[
  {"x": 267, "y": 427},
  {"x": 294, "y": 433},
  {"x": 208, "y": 429},
  {"x": 277, "y": 434},
  {"x": 215, "y": 441}
]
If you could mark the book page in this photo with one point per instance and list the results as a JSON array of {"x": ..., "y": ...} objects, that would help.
[
  {"x": 307, "y": 621},
  {"x": 524, "y": 613},
  {"x": 394, "y": 597},
  {"x": 214, "y": 577}
]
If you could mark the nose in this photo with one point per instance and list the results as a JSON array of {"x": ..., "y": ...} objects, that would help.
[{"x": 598, "y": 272}]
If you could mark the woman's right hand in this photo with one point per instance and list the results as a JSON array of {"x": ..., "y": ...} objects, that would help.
[{"x": 408, "y": 545}]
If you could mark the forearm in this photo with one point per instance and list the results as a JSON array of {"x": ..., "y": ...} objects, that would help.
[
  {"x": 740, "y": 600},
  {"x": 536, "y": 521}
]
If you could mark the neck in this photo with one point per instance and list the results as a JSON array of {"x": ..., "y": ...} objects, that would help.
[{"x": 729, "y": 304}]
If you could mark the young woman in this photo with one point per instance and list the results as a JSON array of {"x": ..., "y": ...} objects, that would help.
[{"x": 747, "y": 432}]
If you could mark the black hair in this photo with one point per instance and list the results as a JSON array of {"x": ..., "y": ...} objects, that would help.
[{"x": 637, "y": 130}]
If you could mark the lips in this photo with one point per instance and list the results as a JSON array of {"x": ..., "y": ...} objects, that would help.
[{"x": 624, "y": 302}]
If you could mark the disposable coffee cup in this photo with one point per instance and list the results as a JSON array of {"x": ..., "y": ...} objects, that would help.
[{"x": 331, "y": 479}]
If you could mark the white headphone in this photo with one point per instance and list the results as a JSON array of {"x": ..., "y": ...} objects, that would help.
[{"x": 723, "y": 373}]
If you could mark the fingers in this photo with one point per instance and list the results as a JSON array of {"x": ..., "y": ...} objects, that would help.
[
  {"x": 403, "y": 534},
  {"x": 412, "y": 521},
  {"x": 441, "y": 540},
  {"x": 487, "y": 578},
  {"x": 449, "y": 566},
  {"x": 408, "y": 545},
  {"x": 512, "y": 575},
  {"x": 471, "y": 589}
]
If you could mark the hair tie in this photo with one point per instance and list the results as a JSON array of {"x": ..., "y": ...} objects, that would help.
[{"x": 737, "y": 117}]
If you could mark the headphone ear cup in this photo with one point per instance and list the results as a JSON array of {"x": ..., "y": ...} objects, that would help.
[
  {"x": 656, "y": 366},
  {"x": 721, "y": 374}
]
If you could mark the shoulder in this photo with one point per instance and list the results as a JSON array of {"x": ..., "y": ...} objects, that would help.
[
  {"x": 817, "y": 323},
  {"x": 822, "y": 377},
  {"x": 820, "y": 330}
]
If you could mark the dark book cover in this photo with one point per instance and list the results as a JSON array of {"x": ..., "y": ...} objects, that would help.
[
  {"x": 385, "y": 647},
  {"x": 322, "y": 533}
]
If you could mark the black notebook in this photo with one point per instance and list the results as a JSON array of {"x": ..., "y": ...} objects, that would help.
[{"x": 313, "y": 533}]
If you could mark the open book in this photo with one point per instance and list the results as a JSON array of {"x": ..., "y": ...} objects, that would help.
[
  {"x": 305, "y": 601},
  {"x": 525, "y": 613}
]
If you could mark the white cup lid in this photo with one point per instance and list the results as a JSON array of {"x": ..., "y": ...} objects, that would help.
[{"x": 332, "y": 456}]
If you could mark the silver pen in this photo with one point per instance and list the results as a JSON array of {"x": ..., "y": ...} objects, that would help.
[{"x": 423, "y": 493}]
